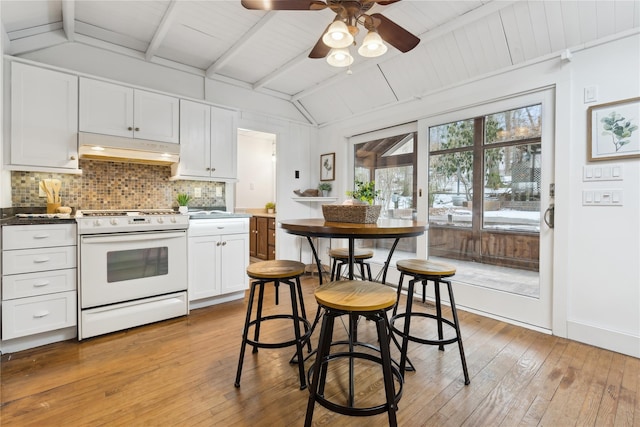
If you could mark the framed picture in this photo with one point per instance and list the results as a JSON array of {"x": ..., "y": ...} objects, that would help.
[
  {"x": 613, "y": 130},
  {"x": 327, "y": 167}
]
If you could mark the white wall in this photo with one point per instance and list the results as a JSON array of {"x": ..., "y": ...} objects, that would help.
[
  {"x": 596, "y": 279},
  {"x": 256, "y": 171}
]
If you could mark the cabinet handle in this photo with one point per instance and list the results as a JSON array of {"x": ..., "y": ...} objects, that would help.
[
  {"x": 207, "y": 169},
  {"x": 41, "y": 260},
  {"x": 213, "y": 169},
  {"x": 129, "y": 128},
  {"x": 42, "y": 313},
  {"x": 41, "y": 236},
  {"x": 224, "y": 243},
  {"x": 217, "y": 243},
  {"x": 137, "y": 129},
  {"x": 72, "y": 158},
  {"x": 41, "y": 284}
]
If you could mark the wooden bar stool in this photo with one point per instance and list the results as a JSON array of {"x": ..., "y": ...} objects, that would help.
[
  {"x": 276, "y": 272},
  {"x": 340, "y": 257},
  {"x": 422, "y": 270},
  {"x": 354, "y": 298}
]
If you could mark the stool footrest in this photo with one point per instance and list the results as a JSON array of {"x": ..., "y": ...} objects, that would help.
[
  {"x": 423, "y": 340},
  {"x": 356, "y": 411},
  {"x": 282, "y": 344}
]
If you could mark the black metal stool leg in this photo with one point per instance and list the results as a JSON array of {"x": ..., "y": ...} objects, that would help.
[
  {"x": 296, "y": 329},
  {"x": 395, "y": 307},
  {"x": 381, "y": 326},
  {"x": 302, "y": 309},
  {"x": 317, "y": 381},
  {"x": 333, "y": 269},
  {"x": 245, "y": 332},
  {"x": 458, "y": 334},
  {"x": 256, "y": 332},
  {"x": 436, "y": 285},
  {"x": 407, "y": 325}
]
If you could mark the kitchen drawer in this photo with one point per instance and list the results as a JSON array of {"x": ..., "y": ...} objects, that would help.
[
  {"x": 272, "y": 223},
  {"x": 42, "y": 283},
  {"x": 214, "y": 227},
  {"x": 32, "y": 260},
  {"x": 38, "y": 236},
  {"x": 33, "y": 315}
]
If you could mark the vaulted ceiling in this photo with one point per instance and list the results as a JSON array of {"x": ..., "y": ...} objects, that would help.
[{"x": 266, "y": 51}]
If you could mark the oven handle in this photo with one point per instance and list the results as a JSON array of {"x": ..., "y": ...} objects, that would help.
[{"x": 134, "y": 237}]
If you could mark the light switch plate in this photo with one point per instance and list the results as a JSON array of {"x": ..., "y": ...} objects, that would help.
[
  {"x": 610, "y": 197},
  {"x": 612, "y": 172}
]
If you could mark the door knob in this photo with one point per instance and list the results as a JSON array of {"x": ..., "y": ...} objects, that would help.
[{"x": 549, "y": 215}]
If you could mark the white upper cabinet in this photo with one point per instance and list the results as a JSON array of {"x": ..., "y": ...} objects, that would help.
[
  {"x": 111, "y": 109},
  {"x": 44, "y": 120},
  {"x": 208, "y": 142}
]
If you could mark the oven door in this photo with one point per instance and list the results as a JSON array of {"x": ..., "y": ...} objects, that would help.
[{"x": 123, "y": 267}]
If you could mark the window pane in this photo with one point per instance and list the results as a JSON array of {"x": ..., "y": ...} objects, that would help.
[
  {"x": 451, "y": 135},
  {"x": 396, "y": 192},
  {"x": 450, "y": 188},
  {"x": 512, "y": 125},
  {"x": 512, "y": 188}
]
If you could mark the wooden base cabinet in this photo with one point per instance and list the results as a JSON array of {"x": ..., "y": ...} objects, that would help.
[
  {"x": 218, "y": 257},
  {"x": 262, "y": 237}
]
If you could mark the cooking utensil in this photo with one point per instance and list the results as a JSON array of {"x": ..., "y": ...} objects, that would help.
[
  {"x": 55, "y": 185},
  {"x": 46, "y": 190}
]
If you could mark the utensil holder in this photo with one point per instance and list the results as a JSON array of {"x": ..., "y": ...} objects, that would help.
[{"x": 53, "y": 207}]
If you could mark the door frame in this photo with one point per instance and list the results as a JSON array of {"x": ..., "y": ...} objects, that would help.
[{"x": 536, "y": 313}]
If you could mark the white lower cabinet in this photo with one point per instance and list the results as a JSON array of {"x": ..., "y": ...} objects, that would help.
[
  {"x": 218, "y": 257},
  {"x": 38, "y": 281}
]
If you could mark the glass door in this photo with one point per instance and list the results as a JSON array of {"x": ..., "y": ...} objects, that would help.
[{"x": 488, "y": 179}]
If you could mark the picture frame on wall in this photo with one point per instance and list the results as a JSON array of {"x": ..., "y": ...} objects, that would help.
[
  {"x": 327, "y": 167},
  {"x": 613, "y": 130}
]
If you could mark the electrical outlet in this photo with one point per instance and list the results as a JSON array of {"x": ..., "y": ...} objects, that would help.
[{"x": 197, "y": 192}]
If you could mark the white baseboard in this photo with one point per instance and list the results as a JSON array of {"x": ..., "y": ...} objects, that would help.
[{"x": 604, "y": 338}]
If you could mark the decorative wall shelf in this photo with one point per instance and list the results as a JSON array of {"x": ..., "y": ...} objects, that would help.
[{"x": 315, "y": 199}]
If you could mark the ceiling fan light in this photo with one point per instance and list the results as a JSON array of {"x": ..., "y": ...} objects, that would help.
[
  {"x": 339, "y": 58},
  {"x": 337, "y": 35},
  {"x": 372, "y": 45}
]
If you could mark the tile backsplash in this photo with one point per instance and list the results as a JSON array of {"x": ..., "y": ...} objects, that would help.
[{"x": 111, "y": 185}]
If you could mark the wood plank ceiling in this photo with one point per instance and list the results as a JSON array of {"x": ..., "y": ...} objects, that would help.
[{"x": 267, "y": 51}]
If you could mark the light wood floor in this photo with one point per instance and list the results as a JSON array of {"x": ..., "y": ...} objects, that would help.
[{"x": 181, "y": 372}]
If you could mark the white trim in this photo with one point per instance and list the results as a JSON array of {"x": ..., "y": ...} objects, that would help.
[{"x": 604, "y": 338}]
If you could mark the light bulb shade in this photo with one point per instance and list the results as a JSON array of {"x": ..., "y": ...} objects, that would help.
[
  {"x": 372, "y": 45},
  {"x": 339, "y": 58},
  {"x": 337, "y": 35}
]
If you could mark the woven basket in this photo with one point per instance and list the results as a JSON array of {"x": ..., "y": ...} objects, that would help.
[{"x": 362, "y": 214}]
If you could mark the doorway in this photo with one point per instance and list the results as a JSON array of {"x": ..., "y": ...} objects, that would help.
[
  {"x": 489, "y": 174},
  {"x": 256, "y": 184}
]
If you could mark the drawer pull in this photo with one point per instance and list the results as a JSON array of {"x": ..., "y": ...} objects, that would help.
[
  {"x": 220, "y": 228},
  {"x": 40, "y": 314},
  {"x": 41, "y": 236},
  {"x": 41, "y": 284},
  {"x": 41, "y": 260}
]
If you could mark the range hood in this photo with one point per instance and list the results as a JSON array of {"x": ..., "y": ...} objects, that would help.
[{"x": 119, "y": 149}]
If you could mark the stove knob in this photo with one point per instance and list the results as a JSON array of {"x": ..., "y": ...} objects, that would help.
[
  {"x": 97, "y": 222},
  {"x": 173, "y": 220},
  {"x": 160, "y": 220},
  {"x": 114, "y": 221}
]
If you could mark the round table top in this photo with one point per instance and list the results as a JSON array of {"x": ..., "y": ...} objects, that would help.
[{"x": 384, "y": 228}]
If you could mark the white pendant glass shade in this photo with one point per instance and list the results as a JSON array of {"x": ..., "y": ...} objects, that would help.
[
  {"x": 338, "y": 35},
  {"x": 372, "y": 45},
  {"x": 339, "y": 58}
]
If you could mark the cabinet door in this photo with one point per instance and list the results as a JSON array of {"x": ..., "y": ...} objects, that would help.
[
  {"x": 156, "y": 117},
  {"x": 262, "y": 239},
  {"x": 195, "y": 138},
  {"x": 106, "y": 108},
  {"x": 223, "y": 143},
  {"x": 44, "y": 118},
  {"x": 203, "y": 267},
  {"x": 253, "y": 235},
  {"x": 234, "y": 259}
]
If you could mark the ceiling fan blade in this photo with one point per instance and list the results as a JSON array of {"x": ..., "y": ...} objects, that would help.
[
  {"x": 382, "y": 2},
  {"x": 320, "y": 50},
  {"x": 284, "y": 4},
  {"x": 394, "y": 34}
]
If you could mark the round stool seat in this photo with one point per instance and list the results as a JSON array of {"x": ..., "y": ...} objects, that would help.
[
  {"x": 275, "y": 269},
  {"x": 343, "y": 253},
  {"x": 424, "y": 267},
  {"x": 356, "y": 296}
]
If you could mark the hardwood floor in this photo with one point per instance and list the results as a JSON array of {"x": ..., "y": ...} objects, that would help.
[{"x": 181, "y": 372}]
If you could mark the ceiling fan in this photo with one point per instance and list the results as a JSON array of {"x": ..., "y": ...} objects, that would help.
[{"x": 340, "y": 34}]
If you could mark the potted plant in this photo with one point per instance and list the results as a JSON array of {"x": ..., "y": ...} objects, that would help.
[
  {"x": 183, "y": 200},
  {"x": 325, "y": 187},
  {"x": 270, "y": 207},
  {"x": 364, "y": 192}
]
